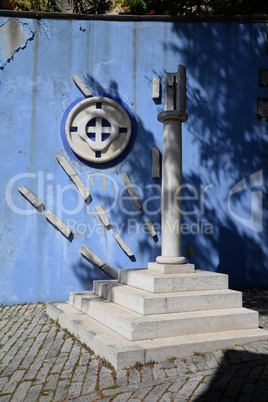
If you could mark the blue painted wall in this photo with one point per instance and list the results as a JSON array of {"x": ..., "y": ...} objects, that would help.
[{"x": 223, "y": 144}]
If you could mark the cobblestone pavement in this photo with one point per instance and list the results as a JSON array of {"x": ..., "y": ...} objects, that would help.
[{"x": 39, "y": 361}]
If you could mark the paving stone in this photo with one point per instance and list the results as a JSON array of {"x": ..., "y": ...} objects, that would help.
[
  {"x": 146, "y": 374},
  {"x": 134, "y": 376},
  {"x": 67, "y": 345},
  {"x": 13, "y": 382},
  {"x": 167, "y": 397},
  {"x": 121, "y": 377},
  {"x": 79, "y": 373},
  {"x": 167, "y": 364},
  {"x": 21, "y": 391},
  {"x": 202, "y": 387},
  {"x": 33, "y": 350},
  {"x": 156, "y": 393},
  {"x": 106, "y": 379},
  {"x": 3, "y": 382},
  {"x": 84, "y": 359},
  {"x": 52, "y": 381},
  {"x": 158, "y": 372},
  {"x": 75, "y": 389},
  {"x": 188, "y": 388},
  {"x": 43, "y": 372},
  {"x": 177, "y": 385},
  {"x": 62, "y": 390},
  {"x": 5, "y": 398},
  {"x": 123, "y": 397},
  {"x": 199, "y": 362},
  {"x": 57, "y": 367},
  {"x": 91, "y": 377},
  {"x": 180, "y": 365},
  {"x": 142, "y": 392},
  {"x": 46, "y": 396},
  {"x": 88, "y": 398},
  {"x": 54, "y": 350},
  {"x": 172, "y": 372}
]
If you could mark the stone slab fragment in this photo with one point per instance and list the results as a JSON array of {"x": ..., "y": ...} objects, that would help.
[
  {"x": 33, "y": 200},
  {"x": 151, "y": 228},
  {"x": 162, "y": 283},
  {"x": 103, "y": 216},
  {"x": 59, "y": 224},
  {"x": 74, "y": 177},
  {"x": 82, "y": 86},
  {"x": 134, "y": 326},
  {"x": 94, "y": 259},
  {"x": 156, "y": 163},
  {"x": 146, "y": 303},
  {"x": 122, "y": 353},
  {"x": 131, "y": 191},
  {"x": 156, "y": 88},
  {"x": 171, "y": 268},
  {"x": 124, "y": 246},
  {"x": 263, "y": 78},
  {"x": 262, "y": 108}
]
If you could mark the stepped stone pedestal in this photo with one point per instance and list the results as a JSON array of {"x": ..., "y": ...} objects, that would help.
[
  {"x": 147, "y": 315},
  {"x": 169, "y": 309}
]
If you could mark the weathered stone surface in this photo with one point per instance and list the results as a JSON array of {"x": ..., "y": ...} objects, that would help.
[
  {"x": 59, "y": 224},
  {"x": 82, "y": 86},
  {"x": 123, "y": 245},
  {"x": 94, "y": 259},
  {"x": 150, "y": 227},
  {"x": 171, "y": 268},
  {"x": 103, "y": 216},
  {"x": 156, "y": 88},
  {"x": 35, "y": 201},
  {"x": 88, "y": 254},
  {"x": 156, "y": 165},
  {"x": 162, "y": 283},
  {"x": 262, "y": 108},
  {"x": 131, "y": 191},
  {"x": 263, "y": 78},
  {"x": 74, "y": 177}
]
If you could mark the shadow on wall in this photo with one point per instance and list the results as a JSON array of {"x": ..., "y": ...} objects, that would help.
[
  {"x": 223, "y": 62},
  {"x": 136, "y": 162}
]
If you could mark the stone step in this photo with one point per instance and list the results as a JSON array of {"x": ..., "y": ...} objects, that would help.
[
  {"x": 146, "y": 303},
  {"x": 165, "y": 283},
  {"x": 137, "y": 327},
  {"x": 123, "y": 353}
]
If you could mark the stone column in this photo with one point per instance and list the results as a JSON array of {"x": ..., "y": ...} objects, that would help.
[{"x": 174, "y": 115}]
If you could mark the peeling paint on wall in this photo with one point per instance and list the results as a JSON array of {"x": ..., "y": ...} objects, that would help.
[{"x": 14, "y": 36}]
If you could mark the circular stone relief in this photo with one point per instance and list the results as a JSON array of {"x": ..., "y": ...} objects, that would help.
[{"x": 98, "y": 129}]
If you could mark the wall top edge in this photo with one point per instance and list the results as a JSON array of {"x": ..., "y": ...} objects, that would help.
[{"x": 140, "y": 18}]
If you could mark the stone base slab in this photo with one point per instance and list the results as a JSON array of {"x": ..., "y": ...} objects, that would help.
[
  {"x": 123, "y": 353},
  {"x": 155, "y": 282},
  {"x": 146, "y": 303},
  {"x": 135, "y": 327},
  {"x": 171, "y": 268}
]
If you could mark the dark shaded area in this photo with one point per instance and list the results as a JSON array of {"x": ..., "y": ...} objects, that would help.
[
  {"x": 136, "y": 161},
  {"x": 228, "y": 145},
  {"x": 242, "y": 376}
]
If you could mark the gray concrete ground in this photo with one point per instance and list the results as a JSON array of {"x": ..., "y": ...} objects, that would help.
[{"x": 39, "y": 361}]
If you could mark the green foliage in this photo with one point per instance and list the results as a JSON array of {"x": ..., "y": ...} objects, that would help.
[
  {"x": 35, "y": 6},
  {"x": 91, "y": 6},
  {"x": 192, "y": 7}
]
